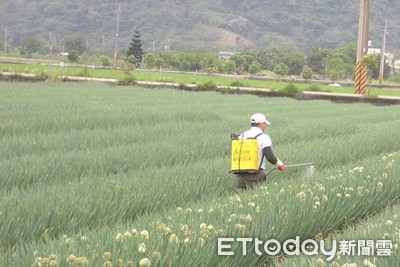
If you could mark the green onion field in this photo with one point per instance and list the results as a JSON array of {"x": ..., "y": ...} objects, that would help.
[{"x": 99, "y": 175}]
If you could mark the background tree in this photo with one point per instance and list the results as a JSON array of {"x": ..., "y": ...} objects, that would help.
[
  {"x": 254, "y": 67},
  {"x": 135, "y": 50},
  {"x": 174, "y": 59},
  {"x": 105, "y": 61},
  {"x": 30, "y": 46},
  {"x": 347, "y": 57},
  {"x": 348, "y": 53},
  {"x": 76, "y": 43},
  {"x": 243, "y": 60},
  {"x": 73, "y": 56},
  {"x": 229, "y": 66},
  {"x": 209, "y": 60},
  {"x": 262, "y": 58},
  {"x": 159, "y": 63},
  {"x": 337, "y": 66},
  {"x": 371, "y": 61},
  {"x": 127, "y": 67},
  {"x": 194, "y": 58},
  {"x": 149, "y": 60},
  {"x": 318, "y": 60},
  {"x": 269, "y": 58},
  {"x": 333, "y": 75},
  {"x": 307, "y": 73},
  {"x": 295, "y": 61},
  {"x": 185, "y": 65},
  {"x": 281, "y": 70}
]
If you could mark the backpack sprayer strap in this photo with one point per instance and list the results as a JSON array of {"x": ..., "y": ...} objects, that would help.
[{"x": 262, "y": 156}]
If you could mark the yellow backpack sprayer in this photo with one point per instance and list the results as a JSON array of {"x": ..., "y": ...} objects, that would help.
[
  {"x": 244, "y": 157},
  {"x": 244, "y": 154}
]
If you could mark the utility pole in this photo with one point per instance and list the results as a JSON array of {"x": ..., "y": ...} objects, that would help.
[
  {"x": 363, "y": 24},
  {"x": 51, "y": 42},
  {"x": 52, "y": 39},
  {"x": 382, "y": 63},
  {"x": 360, "y": 80},
  {"x": 5, "y": 40},
  {"x": 116, "y": 37},
  {"x": 103, "y": 43},
  {"x": 63, "y": 46}
]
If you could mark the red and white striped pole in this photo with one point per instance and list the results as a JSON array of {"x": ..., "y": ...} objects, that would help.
[{"x": 360, "y": 79}]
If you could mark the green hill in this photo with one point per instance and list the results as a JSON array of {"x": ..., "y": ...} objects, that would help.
[{"x": 214, "y": 25}]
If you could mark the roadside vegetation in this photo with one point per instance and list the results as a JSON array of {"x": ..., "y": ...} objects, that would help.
[{"x": 130, "y": 76}]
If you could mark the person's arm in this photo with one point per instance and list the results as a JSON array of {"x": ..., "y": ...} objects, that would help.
[{"x": 271, "y": 158}]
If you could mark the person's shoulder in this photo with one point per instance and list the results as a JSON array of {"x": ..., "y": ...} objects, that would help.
[
  {"x": 247, "y": 131},
  {"x": 265, "y": 137}
]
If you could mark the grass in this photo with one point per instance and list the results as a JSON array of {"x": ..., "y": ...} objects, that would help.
[{"x": 181, "y": 78}]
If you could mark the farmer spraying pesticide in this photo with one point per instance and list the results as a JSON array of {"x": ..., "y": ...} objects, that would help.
[{"x": 248, "y": 152}]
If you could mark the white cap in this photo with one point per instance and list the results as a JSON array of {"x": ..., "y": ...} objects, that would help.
[{"x": 259, "y": 118}]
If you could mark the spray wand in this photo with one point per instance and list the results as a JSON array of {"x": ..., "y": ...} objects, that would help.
[{"x": 310, "y": 169}]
